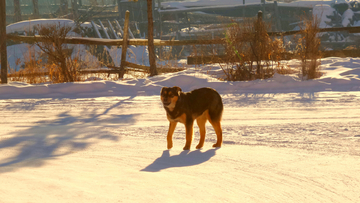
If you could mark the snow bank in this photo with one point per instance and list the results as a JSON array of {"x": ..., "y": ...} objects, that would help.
[
  {"x": 28, "y": 25},
  {"x": 339, "y": 74}
]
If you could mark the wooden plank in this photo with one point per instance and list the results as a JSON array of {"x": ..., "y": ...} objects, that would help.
[
  {"x": 114, "y": 42},
  {"x": 334, "y": 29},
  {"x": 197, "y": 60},
  {"x": 3, "y": 51},
  {"x": 341, "y": 53},
  {"x": 137, "y": 66},
  {"x": 125, "y": 44}
]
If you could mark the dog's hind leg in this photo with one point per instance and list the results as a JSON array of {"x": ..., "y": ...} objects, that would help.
[
  {"x": 189, "y": 133},
  {"x": 217, "y": 127},
  {"x": 170, "y": 134},
  {"x": 201, "y": 121}
]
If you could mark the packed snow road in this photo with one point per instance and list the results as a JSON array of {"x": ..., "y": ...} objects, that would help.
[
  {"x": 285, "y": 140},
  {"x": 293, "y": 147}
]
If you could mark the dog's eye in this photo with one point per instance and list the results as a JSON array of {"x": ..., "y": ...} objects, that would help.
[{"x": 171, "y": 95}]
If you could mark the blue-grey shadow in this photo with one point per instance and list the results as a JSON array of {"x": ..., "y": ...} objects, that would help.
[
  {"x": 63, "y": 135},
  {"x": 185, "y": 158}
]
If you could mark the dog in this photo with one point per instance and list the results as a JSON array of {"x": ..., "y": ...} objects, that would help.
[{"x": 204, "y": 104}]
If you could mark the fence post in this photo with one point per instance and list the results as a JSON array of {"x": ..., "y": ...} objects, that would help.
[
  {"x": 124, "y": 46},
  {"x": 277, "y": 16},
  {"x": 151, "y": 47},
  {"x": 17, "y": 11},
  {"x": 3, "y": 41},
  {"x": 260, "y": 15},
  {"x": 36, "y": 13}
]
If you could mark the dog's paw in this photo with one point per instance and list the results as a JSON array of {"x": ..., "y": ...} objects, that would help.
[
  {"x": 199, "y": 146},
  {"x": 169, "y": 146},
  {"x": 186, "y": 148},
  {"x": 217, "y": 145}
]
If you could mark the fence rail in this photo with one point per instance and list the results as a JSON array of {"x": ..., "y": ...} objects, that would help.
[
  {"x": 191, "y": 59},
  {"x": 158, "y": 42},
  {"x": 196, "y": 60}
]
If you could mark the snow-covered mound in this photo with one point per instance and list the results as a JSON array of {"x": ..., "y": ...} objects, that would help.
[
  {"x": 28, "y": 25},
  {"x": 339, "y": 74}
]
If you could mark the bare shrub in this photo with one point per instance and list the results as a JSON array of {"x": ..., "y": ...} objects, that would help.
[
  {"x": 307, "y": 48},
  {"x": 33, "y": 71},
  {"x": 60, "y": 65},
  {"x": 251, "y": 53}
]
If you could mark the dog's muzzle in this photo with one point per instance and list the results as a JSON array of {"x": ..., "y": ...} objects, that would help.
[{"x": 166, "y": 103}]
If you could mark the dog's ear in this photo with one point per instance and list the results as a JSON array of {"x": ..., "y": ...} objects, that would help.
[
  {"x": 178, "y": 89},
  {"x": 162, "y": 90}
]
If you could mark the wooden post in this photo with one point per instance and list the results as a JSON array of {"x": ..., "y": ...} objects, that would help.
[
  {"x": 17, "y": 11},
  {"x": 277, "y": 17},
  {"x": 243, "y": 10},
  {"x": 36, "y": 13},
  {"x": 151, "y": 46},
  {"x": 160, "y": 23},
  {"x": 119, "y": 8},
  {"x": 63, "y": 7},
  {"x": 3, "y": 42},
  {"x": 260, "y": 15},
  {"x": 124, "y": 46},
  {"x": 74, "y": 6},
  {"x": 188, "y": 21}
]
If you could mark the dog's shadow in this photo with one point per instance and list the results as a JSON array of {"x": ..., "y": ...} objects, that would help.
[{"x": 185, "y": 158}]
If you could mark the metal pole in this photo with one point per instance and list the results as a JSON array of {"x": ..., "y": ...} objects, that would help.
[{"x": 3, "y": 42}]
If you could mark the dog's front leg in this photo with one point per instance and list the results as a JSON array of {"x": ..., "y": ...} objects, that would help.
[
  {"x": 172, "y": 126},
  {"x": 189, "y": 133}
]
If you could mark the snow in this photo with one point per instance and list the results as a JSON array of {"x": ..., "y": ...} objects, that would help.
[
  {"x": 28, "y": 25},
  {"x": 346, "y": 17},
  {"x": 196, "y": 4},
  {"x": 321, "y": 12},
  {"x": 285, "y": 140}
]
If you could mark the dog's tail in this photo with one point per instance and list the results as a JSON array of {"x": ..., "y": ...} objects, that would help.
[{"x": 216, "y": 108}]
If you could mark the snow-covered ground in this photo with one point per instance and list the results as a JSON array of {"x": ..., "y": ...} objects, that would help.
[{"x": 285, "y": 140}]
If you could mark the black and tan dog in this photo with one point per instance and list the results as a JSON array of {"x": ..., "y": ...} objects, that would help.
[{"x": 201, "y": 104}]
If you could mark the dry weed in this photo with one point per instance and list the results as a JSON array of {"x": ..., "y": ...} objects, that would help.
[{"x": 307, "y": 48}]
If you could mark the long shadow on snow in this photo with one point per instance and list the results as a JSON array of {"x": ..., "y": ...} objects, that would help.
[
  {"x": 249, "y": 99},
  {"x": 185, "y": 158},
  {"x": 49, "y": 139}
]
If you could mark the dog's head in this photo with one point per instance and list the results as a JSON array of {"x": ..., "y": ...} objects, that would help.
[{"x": 169, "y": 96}]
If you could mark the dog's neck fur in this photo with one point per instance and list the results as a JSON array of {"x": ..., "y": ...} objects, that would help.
[{"x": 175, "y": 112}]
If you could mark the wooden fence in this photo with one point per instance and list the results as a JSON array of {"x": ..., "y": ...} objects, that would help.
[{"x": 191, "y": 60}]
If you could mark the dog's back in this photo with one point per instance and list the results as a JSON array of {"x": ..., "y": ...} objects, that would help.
[{"x": 203, "y": 99}]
